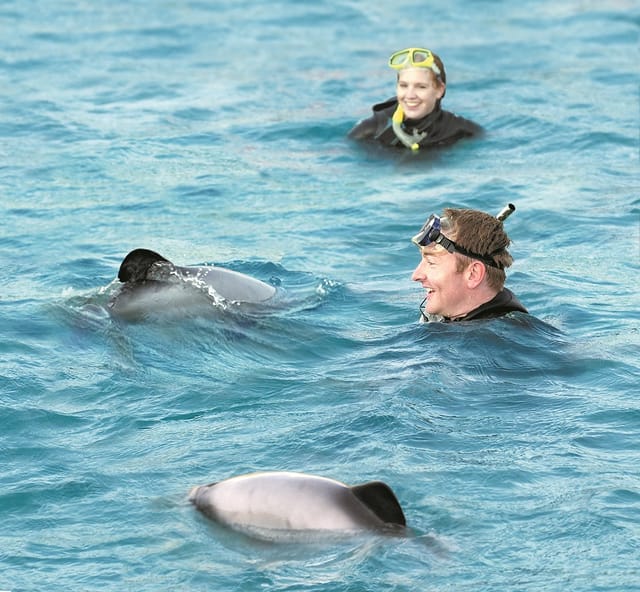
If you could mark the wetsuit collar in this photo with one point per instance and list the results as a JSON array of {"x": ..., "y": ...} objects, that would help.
[
  {"x": 502, "y": 303},
  {"x": 424, "y": 127},
  {"x": 425, "y": 123}
]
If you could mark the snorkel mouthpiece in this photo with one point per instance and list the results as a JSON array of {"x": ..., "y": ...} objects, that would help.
[
  {"x": 409, "y": 140},
  {"x": 505, "y": 212}
]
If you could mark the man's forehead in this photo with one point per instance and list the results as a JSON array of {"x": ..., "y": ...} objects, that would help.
[{"x": 435, "y": 250}]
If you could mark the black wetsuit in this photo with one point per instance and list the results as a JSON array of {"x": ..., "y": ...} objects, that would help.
[
  {"x": 502, "y": 303},
  {"x": 442, "y": 127}
]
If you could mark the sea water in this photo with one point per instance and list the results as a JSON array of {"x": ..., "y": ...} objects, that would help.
[{"x": 215, "y": 133}]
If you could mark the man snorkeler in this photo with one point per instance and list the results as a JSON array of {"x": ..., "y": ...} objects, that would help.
[{"x": 464, "y": 256}]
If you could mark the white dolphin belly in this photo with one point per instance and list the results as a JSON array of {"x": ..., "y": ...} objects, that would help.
[{"x": 297, "y": 501}]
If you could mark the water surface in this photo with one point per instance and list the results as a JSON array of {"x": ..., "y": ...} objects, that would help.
[{"x": 214, "y": 133}]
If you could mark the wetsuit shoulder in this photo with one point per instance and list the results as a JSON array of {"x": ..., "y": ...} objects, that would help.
[
  {"x": 470, "y": 128},
  {"x": 376, "y": 123},
  {"x": 447, "y": 128},
  {"x": 501, "y": 304}
]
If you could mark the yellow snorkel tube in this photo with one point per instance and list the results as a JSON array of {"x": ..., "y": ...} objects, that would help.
[{"x": 409, "y": 140}]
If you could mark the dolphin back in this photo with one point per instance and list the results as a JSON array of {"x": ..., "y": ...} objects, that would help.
[
  {"x": 142, "y": 266},
  {"x": 380, "y": 499},
  {"x": 232, "y": 285}
]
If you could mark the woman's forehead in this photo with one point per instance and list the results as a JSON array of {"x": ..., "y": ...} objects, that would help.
[{"x": 415, "y": 75}]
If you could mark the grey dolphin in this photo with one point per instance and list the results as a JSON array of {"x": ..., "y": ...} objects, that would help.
[
  {"x": 152, "y": 281},
  {"x": 289, "y": 501}
]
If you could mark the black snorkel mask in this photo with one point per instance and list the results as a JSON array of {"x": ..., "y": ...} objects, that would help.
[{"x": 431, "y": 232}]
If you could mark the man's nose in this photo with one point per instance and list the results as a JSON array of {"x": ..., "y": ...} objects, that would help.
[{"x": 418, "y": 273}]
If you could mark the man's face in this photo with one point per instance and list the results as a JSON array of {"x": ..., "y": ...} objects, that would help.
[{"x": 447, "y": 291}]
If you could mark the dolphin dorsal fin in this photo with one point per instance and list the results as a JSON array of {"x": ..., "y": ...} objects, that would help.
[
  {"x": 136, "y": 264},
  {"x": 381, "y": 500}
]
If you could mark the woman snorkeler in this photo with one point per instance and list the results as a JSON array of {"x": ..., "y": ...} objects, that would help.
[{"x": 413, "y": 118}]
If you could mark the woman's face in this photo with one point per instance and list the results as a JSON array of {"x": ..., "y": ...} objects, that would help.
[{"x": 418, "y": 90}]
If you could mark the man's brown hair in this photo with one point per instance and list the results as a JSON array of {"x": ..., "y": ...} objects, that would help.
[{"x": 483, "y": 234}]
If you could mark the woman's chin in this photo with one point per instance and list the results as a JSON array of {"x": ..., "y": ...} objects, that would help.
[{"x": 414, "y": 113}]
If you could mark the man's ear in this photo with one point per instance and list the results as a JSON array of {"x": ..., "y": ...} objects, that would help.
[{"x": 476, "y": 273}]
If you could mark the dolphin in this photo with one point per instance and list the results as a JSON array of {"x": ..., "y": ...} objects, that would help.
[
  {"x": 296, "y": 502},
  {"x": 150, "y": 281}
]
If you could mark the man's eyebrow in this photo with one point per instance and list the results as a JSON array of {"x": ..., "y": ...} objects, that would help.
[{"x": 430, "y": 251}]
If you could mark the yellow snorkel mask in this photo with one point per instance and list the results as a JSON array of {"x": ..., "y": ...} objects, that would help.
[{"x": 414, "y": 57}]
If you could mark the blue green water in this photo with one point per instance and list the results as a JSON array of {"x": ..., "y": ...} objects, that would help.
[{"x": 214, "y": 133}]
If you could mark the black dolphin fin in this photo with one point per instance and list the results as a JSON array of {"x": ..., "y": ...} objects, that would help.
[
  {"x": 136, "y": 264},
  {"x": 381, "y": 500}
]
